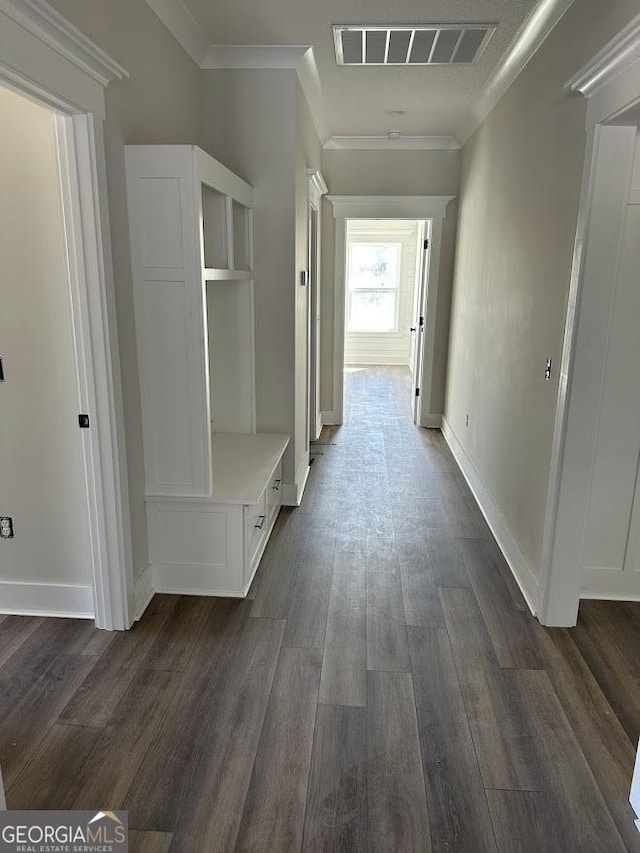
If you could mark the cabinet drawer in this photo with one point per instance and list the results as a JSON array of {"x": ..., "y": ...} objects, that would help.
[
  {"x": 274, "y": 494},
  {"x": 256, "y": 527}
]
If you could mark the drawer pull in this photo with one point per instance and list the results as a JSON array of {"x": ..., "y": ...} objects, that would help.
[
  {"x": 276, "y": 486},
  {"x": 260, "y": 524}
]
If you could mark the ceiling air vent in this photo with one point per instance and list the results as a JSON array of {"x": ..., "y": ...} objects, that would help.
[{"x": 427, "y": 44}]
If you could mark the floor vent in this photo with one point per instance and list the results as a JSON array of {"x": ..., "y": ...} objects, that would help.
[{"x": 428, "y": 44}]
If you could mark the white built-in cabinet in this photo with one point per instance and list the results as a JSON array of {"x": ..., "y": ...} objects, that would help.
[{"x": 213, "y": 485}]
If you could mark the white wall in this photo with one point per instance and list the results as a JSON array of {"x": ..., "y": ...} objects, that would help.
[
  {"x": 390, "y": 173},
  {"x": 386, "y": 347},
  {"x": 521, "y": 180},
  {"x": 158, "y": 103},
  {"x": 42, "y": 484}
]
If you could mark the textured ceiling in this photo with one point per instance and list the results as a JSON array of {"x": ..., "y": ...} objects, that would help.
[{"x": 438, "y": 100}]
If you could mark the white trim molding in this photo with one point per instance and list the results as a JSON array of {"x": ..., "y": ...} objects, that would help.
[
  {"x": 544, "y": 16},
  {"x": 43, "y": 21},
  {"x": 431, "y": 208},
  {"x": 183, "y": 27},
  {"x": 292, "y": 492},
  {"x": 211, "y": 57},
  {"x": 389, "y": 206},
  {"x": 385, "y": 143},
  {"x": 614, "y": 58},
  {"x": 611, "y": 84},
  {"x": 144, "y": 590},
  {"x": 316, "y": 186},
  {"x": 516, "y": 560},
  {"x": 44, "y": 57},
  {"x": 46, "y": 599}
]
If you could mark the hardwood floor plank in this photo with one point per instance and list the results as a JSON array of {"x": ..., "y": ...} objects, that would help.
[
  {"x": 505, "y": 743},
  {"x": 386, "y": 630},
  {"x": 23, "y": 728},
  {"x": 344, "y": 663},
  {"x": 96, "y": 699},
  {"x": 510, "y": 629},
  {"x": 397, "y": 804},
  {"x": 458, "y": 811},
  {"x": 606, "y": 654},
  {"x": 603, "y": 741},
  {"x": 273, "y": 591},
  {"x": 174, "y": 645},
  {"x": 446, "y": 560},
  {"x": 420, "y": 595},
  {"x": 187, "y": 731},
  {"x": 336, "y": 812},
  {"x": 33, "y": 657},
  {"x": 307, "y": 615},
  {"x": 212, "y": 805},
  {"x": 45, "y": 780},
  {"x": 521, "y": 821},
  {"x": 107, "y": 774},
  {"x": 577, "y": 801},
  {"x": 273, "y": 816},
  {"x": 14, "y": 630},
  {"x": 149, "y": 842}
]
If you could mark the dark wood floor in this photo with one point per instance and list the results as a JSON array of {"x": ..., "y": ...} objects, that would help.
[{"x": 383, "y": 689}]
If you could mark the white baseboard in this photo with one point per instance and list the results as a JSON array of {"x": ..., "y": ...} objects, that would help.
[
  {"x": 432, "y": 422},
  {"x": 292, "y": 492},
  {"x": 143, "y": 591},
  {"x": 318, "y": 426},
  {"x": 46, "y": 599},
  {"x": 517, "y": 562},
  {"x": 329, "y": 419}
]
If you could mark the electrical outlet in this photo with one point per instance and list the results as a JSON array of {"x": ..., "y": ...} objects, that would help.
[
  {"x": 466, "y": 421},
  {"x": 6, "y": 527}
]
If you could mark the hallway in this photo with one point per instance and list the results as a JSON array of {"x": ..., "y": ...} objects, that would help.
[{"x": 383, "y": 688}]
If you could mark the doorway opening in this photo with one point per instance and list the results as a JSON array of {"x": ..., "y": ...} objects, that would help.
[{"x": 385, "y": 295}]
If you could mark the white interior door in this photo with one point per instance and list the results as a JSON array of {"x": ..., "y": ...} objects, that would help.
[
  {"x": 419, "y": 319},
  {"x": 43, "y": 485},
  {"x": 315, "y": 424}
]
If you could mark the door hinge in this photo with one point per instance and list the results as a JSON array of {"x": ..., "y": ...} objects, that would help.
[
  {"x": 422, "y": 321},
  {"x": 417, "y": 392},
  {"x": 83, "y": 421},
  {"x": 426, "y": 245}
]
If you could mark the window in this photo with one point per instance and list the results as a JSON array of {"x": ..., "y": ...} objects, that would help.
[{"x": 373, "y": 280}]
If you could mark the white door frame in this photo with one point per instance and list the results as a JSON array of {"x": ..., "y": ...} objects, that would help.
[
  {"x": 611, "y": 83},
  {"x": 316, "y": 188},
  {"x": 45, "y": 58},
  {"x": 388, "y": 207}
]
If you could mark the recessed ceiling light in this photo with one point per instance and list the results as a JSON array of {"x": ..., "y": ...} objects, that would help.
[
  {"x": 411, "y": 44},
  {"x": 394, "y": 134}
]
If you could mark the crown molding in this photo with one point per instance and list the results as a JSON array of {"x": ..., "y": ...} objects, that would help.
[
  {"x": 612, "y": 60},
  {"x": 316, "y": 185},
  {"x": 183, "y": 27},
  {"x": 544, "y": 16},
  {"x": 389, "y": 206},
  {"x": 45, "y": 23},
  {"x": 210, "y": 57},
  {"x": 383, "y": 143}
]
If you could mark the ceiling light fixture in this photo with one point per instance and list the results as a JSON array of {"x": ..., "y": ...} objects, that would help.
[
  {"x": 408, "y": 44},
  {"x": 394, "y": 134}
]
